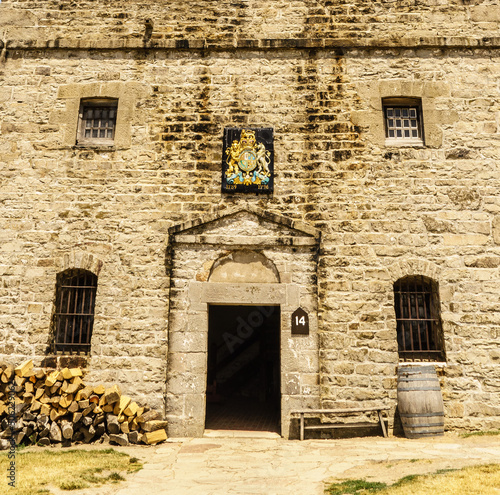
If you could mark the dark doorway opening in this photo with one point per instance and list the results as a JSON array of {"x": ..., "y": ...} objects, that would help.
[{"x": 243, "y": 376}]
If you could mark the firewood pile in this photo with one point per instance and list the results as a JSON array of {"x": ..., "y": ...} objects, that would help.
[{"x": 45, "y": 407}]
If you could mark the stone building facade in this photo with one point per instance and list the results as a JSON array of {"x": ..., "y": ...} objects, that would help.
[{"x": 354, "y": 213}]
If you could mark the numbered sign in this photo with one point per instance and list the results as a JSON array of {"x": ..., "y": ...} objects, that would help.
[{"x": 300, "y": 322}]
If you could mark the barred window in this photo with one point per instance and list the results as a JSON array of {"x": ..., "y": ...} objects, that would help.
[
  {"x": 74, "y": 316},
  {"x": 97, "y": 121},
  {"x": 403, "y": 121},
  {"x": 416, "y": 303}
]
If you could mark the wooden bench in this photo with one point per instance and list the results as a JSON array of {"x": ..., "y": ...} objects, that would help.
[{"x": 355, "y": 410}]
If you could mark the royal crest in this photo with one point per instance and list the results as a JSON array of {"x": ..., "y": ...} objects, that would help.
[{"x": 247, "y": 162}]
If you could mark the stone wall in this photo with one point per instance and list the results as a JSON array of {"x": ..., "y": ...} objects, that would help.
[
  {"x": 150, "y": 23},
  {"x": 383, "y": 212}
]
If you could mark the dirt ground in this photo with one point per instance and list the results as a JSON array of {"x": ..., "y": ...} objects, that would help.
[{"x": 217, "y": 466}]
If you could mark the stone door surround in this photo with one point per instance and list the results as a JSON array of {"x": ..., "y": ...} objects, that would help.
[{"x": 220, "y": 246}]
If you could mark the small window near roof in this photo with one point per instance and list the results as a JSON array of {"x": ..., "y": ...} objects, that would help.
[
  {"x": 97, "y": 123},
  {"x": 403, "y": 121}
]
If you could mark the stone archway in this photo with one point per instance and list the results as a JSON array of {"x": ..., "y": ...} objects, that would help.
[{"x": 243, "y": 258}]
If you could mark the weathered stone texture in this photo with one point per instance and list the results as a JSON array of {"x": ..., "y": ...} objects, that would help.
[
  {"x": 383, "y": 212},
  {"x": 149, "y": 23}
]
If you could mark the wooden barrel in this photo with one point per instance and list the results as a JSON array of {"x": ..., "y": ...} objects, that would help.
[{"x": 420, "y": 402}]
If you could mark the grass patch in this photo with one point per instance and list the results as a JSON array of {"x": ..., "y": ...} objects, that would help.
[
  {"x": 65, "y": 469},
  {"x": 475, "y": 480},
  {"x": 73, "y": 485},
  {"x": 355, "y": 487},
  {"x": 480, "y": 433}
]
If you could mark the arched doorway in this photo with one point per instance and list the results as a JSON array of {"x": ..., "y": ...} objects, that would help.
[
  {"x": 243, "y": 370},
  {"x": 223, "y": 267}
]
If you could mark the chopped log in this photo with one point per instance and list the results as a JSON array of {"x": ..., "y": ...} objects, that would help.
[
  {"x": 23, "y": 369},
  {"x": 27, "y": 397},
  {"x": 18, "y": 437},
  {"x": 42, "y": 421},
  {"x": 124, "y": 427},
  {"x": 99, "y": 389},
  {"x": 28, "y": 416},
  {"x": 112, "y": 424},
  {"x": 108, "y": 408},
  {"x": 102, "y": 401},
  {"x": 94, "y": 399},
  {"x": 121, "y": 405},
  {"x": 134, "y": 437},
  {"x": 55, "y": 387},
  {"x": 51, "y": 378},
  {"x": 83, "y": 404},
  {"x": 19, "y": 380},
  {"x": 45, "y": 409},
  {"x": 39, "y": 374},
  {"x": 154, "y": 437},
  {"x": 154, "y": 425},
  {"x": 131, "y": 409},
  {"x": 55, "y": 432},
  {"x": 73, "y": 407},
  {"x": 86, "y": 421},
  {"x": 97, "y": 410},
  {"x": 74, "y": 385},
  {"x": 99, "y": 418},
  {"x": 112, "y": 394},
  {"x": 55, "y": 414},
  {"x": 65, "y": 401},
  {"x": 88, "y": 433},
  {"x": 88, "y": 410},
  {"x": 76, "y": 417},
  {"x": 67, "y": 430},
  {"x": 44, "y": 432},
  {"x": 29, "y": 387},
  {"x": 76, "y": 372},
  {"x": 39, "y": 392},
  {"x": 44, "y": 442},
  {"x": 20, "y": 408},
  {"x": 35, "y": 406},
  {"x": 66, "y": 373},
  {"x": 84, "y": 393},
  {"x": 7, "y": 374},
  {"x": 120, "y": 439},
  {"x": 148, "y": 416}
]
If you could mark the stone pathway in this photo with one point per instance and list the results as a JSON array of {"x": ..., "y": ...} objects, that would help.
[{"x": 273, "y": 466}]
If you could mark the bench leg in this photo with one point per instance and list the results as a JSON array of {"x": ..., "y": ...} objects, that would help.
[
  {"x": 382, "y": 424},
  {"x": 302, "y": 426}
]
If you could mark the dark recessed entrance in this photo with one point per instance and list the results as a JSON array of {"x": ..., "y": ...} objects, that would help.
[{"x": 243, "y": 378}]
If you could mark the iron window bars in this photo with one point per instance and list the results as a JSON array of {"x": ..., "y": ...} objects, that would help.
[
  {"x": 416, "y": 304},
  {"x": 403, "y": 121},
  {"x": 97, "y": 123},
  {"x": 74, "y": 316}
]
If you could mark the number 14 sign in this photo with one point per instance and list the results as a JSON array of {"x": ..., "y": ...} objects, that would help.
[{"x": 300, "y": 322}]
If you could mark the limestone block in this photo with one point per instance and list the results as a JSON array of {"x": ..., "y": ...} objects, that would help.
[
  {"x": 495, "y": 229},
  {"x": 188, "y": 342}
]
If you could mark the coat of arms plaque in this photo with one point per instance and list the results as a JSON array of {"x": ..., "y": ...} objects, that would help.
[{"x": 248, "y": 160}]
